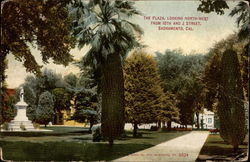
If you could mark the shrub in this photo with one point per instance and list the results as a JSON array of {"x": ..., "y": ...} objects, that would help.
[
  {"x": 153, "y": 128},
  {"x": 97, "y": 136},
  {"x": 5, "y": 126},
  {"x": 36, "y": 125},
  {"x": 22, "y": 127}
]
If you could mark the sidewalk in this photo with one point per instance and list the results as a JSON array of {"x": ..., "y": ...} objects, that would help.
[{"x": 183, "y": 148}]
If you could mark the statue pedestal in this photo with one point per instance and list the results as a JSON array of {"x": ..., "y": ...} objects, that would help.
[{"x": 21, "y": 121}]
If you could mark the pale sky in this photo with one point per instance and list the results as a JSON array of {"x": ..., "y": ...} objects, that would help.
[{"x": 199, "y": 40}]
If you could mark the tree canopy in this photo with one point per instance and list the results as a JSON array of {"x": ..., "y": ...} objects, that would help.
[
  {"x": 42, "y": 24},
  {"x": 182, "y": 76}
]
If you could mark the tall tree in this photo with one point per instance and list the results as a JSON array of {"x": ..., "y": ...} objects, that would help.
[
  {"x": 143, "y": 90},
  {"x": 45, "y": 109},
  {"x": 103, "y": 25},
  {"x": 180, "y": 74},
  {"x": 25, "y": 23},
  {"x": 62, "y": 101},
  {"x": 231, "y": 104},
  {"x": 85, "y": 98}
]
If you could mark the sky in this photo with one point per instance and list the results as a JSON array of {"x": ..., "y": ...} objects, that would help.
[{"x": 199, "y": 40}]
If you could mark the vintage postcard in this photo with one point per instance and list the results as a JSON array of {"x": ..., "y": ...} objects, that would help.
[{"x": 124, "y": 80}]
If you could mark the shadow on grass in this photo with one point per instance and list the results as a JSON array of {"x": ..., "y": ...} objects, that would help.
[
  {"x": 67, "y": 151},
  {"x": 82, "y": 149},
  {"x": 217, "y": 149}
]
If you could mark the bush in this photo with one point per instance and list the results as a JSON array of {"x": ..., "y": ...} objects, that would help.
[
  {"x": 153, "y": 128},
  {"x": 5, "y": 126},
  {"x": 138, "y": 135},
  {"x": 36, "y": 125},
  {"x": 22, "y": 127},
  {"x": 97, "y": 136}
]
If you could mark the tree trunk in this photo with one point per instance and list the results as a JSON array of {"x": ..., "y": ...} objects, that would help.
[
  {"x": 159, "y": 124},
  {"x": 135, "y": 130},
  {"x": 235, "y": 148},
  {"x": 45, "y": 125},
  {"x": 111, "y": 142},
  {"x": 198, "y": 120},
  {"x": 99, "y": 106},
  {"x": 112, "y": 85},
  {"x": 169, "y": 124},
  {"x": 164, "y": 123},
  {"x": 91, "y": 122}
]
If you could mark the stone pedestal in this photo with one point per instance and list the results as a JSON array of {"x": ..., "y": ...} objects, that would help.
[{"x": 21, "y": 121}]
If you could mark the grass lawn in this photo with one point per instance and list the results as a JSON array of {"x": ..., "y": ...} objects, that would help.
[
  {"x": 78, "y": 147},
  {"x": 215, "y": 148}
]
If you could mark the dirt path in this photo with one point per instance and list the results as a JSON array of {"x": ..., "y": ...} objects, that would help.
[{"x": 183, "y": 148}]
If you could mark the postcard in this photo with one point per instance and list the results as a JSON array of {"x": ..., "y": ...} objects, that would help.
[{"x": 121, "y": 80}]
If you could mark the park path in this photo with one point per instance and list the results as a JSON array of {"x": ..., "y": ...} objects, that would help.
[{"x": 183, "y": 148}]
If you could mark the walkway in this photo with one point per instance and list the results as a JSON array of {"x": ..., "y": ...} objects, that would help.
[{"x": 183, "y": 148}]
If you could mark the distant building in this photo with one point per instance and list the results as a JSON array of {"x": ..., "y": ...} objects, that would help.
[{"x": 206, "y": 120}]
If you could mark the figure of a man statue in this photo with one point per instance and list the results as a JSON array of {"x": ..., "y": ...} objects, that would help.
[{"x": 22, "y": 95}]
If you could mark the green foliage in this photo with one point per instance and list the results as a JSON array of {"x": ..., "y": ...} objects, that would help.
[
  {"x": 145, "y": 101},
  {"x": 217, "y": 6},
  {"x": 36, "y": 125},
  {"x": 9, "y": 110},
  {"x": 45, "y": 111},
  {"x": 241, "y": 10},
  {"x": 231, "y": 104},
  {"x": 21, "y": 26},
  {"x": 213, "y": 67},
  {"x": 182, "y": 77},
  {"x": 4, "y": 126},
  {"x": 62, "y": 99},
  {"x": 84, "y": 96},
  {"x": 50, "y": 81},
  {"x": 97, "y": 136},
  {"x": 142, "y": 88},
  {"x": 243, "y": 20},
  {"x": 168, "y": 111}
]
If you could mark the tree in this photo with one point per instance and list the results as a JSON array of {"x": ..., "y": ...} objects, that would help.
[
  {"x": 102, "y": 24},
  {"x": 213, "y": 67},
  {"x": 168, "y": 111},
  {"x": 62, "y": 100},
  {"x": 231, "y": 104},
  {"x": 143, "y": 90},
  {"x": 181, "y": 75},
  {"x": 86, "y": 98},
  {"x": 25, "y": 23},
  {"x": 45, "y": 109},
  {"x": 9, "y": 108},
  {"x": 34, "y": 86}
]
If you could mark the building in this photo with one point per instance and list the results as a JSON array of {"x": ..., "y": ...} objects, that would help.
[{"x": 206, "y": 120}]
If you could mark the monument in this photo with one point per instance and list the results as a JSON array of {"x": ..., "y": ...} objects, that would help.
[{"x": 21, "y": 121}]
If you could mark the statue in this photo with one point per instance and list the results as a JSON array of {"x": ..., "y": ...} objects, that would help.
[{"x": 22, "y": 95}]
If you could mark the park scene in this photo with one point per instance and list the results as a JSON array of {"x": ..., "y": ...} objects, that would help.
[{"x": 124, "y": 80}]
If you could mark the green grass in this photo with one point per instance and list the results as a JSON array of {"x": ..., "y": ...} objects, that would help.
[
  {"x": 81, "y": 147},
  {"x": 57, "y": 131},
  {"x": 216, "y": 148}
]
